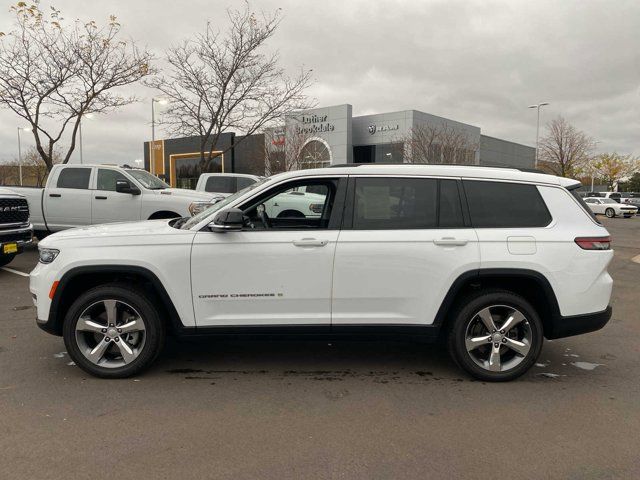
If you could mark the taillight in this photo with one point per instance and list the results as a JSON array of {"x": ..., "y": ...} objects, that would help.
[{"x": 594, "y": 243}]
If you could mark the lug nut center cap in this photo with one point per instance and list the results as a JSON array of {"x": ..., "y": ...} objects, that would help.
[
  {"x": 496, "y": 337},
  {"x": 112, "y": 332}
]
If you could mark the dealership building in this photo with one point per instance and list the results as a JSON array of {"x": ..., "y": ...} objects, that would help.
[{"x": 332, "y": 135}]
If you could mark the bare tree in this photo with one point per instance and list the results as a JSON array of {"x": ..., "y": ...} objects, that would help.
[
  {"x": 613, "y": 167},
  {"x": 51, "y": 73},
  {"x": 34, "y": 170},
  {"x": 227, "y": 82},
  {"x": 441, "y": 143},
  {"x": 564, "y": 150},
  {"x": 283, "y": 147}
]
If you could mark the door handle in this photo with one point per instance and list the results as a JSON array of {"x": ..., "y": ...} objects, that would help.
[
  {"x": 55, "y": 195},
  {"x": 310, "y": 242},
  {"x": 100, "y": 198},
  {"x": 450, "y": 242}
]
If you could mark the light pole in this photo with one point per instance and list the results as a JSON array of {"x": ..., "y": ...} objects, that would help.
[
  {"x": 20, "y": 151},
  {"x": 161, "y": 101},
  {"x": 88, "y": 116},
  {"x": 593, "y": 173},
  {"x": 537, "y": 107}
]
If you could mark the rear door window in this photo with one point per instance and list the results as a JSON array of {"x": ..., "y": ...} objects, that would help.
[
  {"x": 505, "y": 205},
  {"x": 395, "y": 203},
  {"x": 243, "y": 182},
  {"x": 450, "y": 207},
  {"x": 77, "y": 178},
  {"x": 221, "y": 185}
]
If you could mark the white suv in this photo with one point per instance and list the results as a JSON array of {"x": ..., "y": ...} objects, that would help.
[{"x": 492, "y": 260}]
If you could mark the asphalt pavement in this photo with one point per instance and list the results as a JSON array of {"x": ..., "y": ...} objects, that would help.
[{"x": 319, "y": 410}]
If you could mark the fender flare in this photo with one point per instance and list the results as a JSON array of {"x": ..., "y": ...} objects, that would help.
[
  {"x": 55, "y": 320},
  {"x": 488, "y": 273}
]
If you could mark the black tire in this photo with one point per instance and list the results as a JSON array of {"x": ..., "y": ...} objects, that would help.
[
  {"x": 610, "y": 212},
  {"x": 465, "y": 313},
  {"x": 154, "y": 329},
  {"x": 41, "y": 234},
  {"x": 6, "y": 259}
]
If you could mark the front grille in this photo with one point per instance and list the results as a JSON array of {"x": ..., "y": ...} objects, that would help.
[
  {"x": 15, "y": 237},
  {"x": 14, "y": 210}
]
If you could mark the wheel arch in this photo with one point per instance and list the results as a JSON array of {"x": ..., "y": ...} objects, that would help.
[
  {"x": 160, "y": 214},
  {"x": 80, "y": 279},
  {"x": 530, "y": 284}
]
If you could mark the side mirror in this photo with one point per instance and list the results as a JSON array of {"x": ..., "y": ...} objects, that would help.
[
  {"x": 230, "y": 220},
  {"x": 123, "y": 186}
]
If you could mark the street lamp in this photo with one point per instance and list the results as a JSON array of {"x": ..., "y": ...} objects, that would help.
[
  {"x": 593, "y": 173},
  {"x": 537, "y": 107},
  {"x": 161, "y": 101},
  {"x": 24, "y": 129},
  {"x": 88, "y": 116}
]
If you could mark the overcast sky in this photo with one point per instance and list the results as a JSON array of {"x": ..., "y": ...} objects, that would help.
[{"x": 478, "y": 62}]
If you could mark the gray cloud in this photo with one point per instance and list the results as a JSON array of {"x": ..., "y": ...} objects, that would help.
[{"x": 477, "y": 62}]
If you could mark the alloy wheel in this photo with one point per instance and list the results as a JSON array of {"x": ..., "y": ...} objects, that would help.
[
  {"x": 498, "y": 338},
  {"x": 110, "y": 333}
]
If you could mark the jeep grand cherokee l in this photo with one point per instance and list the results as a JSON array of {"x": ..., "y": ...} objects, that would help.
[{"x": 491, "y": 260}]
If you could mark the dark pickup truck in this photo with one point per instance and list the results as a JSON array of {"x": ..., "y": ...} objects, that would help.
[{"x": 15, "y": 229}]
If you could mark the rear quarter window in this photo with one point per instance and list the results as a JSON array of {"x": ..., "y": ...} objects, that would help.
[
  {"x": 505, "y": 205},
  {"x": 77, "y": 178}
]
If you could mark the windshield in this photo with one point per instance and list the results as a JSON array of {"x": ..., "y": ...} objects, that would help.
[
  {"x": 220, "y": 205},
  {"x": 607, "y": 200},
  {"x": 147, "y": 180}
]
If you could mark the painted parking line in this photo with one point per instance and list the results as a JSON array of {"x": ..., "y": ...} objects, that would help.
[
  {"x": 11, "y": 270},
  {"x": 636, "y": 259}
]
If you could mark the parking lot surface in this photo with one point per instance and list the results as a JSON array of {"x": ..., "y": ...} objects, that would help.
[{"x": 342, "y": 409}]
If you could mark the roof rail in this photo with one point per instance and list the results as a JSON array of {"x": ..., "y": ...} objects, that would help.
[{"x": 343, "y": 165}]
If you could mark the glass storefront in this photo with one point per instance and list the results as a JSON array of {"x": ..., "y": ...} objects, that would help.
[{"x": 188, "y": 170}]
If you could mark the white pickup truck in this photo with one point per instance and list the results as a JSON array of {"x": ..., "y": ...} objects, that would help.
[{"x": 78, "y": 195}]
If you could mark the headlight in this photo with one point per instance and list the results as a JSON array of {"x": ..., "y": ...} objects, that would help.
[
  {"x": 48, "y": 255},
  {"x": 316, "y": 207},
  {"x": 197, "y": 207}
]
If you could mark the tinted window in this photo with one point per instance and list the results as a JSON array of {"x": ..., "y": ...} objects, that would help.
[
  {"x": 505, "y": 205},
  {"x": 74, "y": 178},
  {"x": 107, "y": 179},
  {"x": 395, "y": 203},
  {"x": 242, "y": 182},
  {"x": 221, "y": 185},
  {"x": 450, "y": 208}
]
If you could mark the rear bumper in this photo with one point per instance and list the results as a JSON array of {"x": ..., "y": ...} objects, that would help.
[{"x": 577, "y": 324}]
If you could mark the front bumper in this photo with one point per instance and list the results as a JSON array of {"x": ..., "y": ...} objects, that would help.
[
  {"x": 561, "y": 327},
  {"x": 22, "y": 236}
]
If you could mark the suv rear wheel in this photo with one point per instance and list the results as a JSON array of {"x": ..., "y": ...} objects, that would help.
[
  {"x": 496, "y": 335},
  {"x": 113, "y": 331}
]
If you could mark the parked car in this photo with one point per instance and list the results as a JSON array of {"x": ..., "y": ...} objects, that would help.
[
  {"x": 494, "y": 260},
  {"x": 79, "y": 195},
  {"x": 610, "y": 208},
  {"x": 15, "y": 229},
  {"x": 629, "y": 198},
  {"x": 224, "y": 184}
]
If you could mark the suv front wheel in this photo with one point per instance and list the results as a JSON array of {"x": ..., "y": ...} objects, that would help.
[
  {"x": 495, "y": 336},
  {"x": 113, "y": 331}
]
